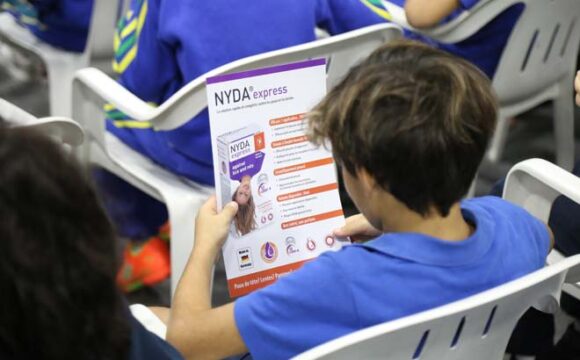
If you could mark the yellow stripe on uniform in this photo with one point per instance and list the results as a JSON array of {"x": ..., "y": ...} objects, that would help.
[
  {"x": 123, "y": 65},
  {"x": 142, "y": 16},
  {"x": 29, "y": 20},
  {"x": 381, "y": 12},
  {"x": 129, "y": 28},
  {"x": 116, "y": 41},
  {"x": 133, "y": 124},
  {"x": 109, "y": 107},
  {"x": 135, "y": 24}
]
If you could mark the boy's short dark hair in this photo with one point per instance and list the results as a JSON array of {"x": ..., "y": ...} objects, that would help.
[{"x": 415, "y": 118}]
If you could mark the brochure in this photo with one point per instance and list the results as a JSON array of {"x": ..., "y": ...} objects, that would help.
[{"x": 285, "y": 186}]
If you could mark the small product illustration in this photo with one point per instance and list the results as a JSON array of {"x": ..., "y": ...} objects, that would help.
[{"x": 241, "y": 156}]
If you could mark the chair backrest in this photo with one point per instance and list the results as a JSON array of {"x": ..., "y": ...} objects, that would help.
[
  {"x": 541, "y": 51},
  {"x": 535, "y": 184},
  {"x": 476, "y": 328},
  {"x": 62, "y": 129},
  {"x": 104, "y": 18},
  {"x": 93, "y": 88}
]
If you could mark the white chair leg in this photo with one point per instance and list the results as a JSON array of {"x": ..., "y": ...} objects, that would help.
[
  {"x": 564, "y": 127},
  {"x": 60, "y": 74},
  {"x": 498, "y": 140}
]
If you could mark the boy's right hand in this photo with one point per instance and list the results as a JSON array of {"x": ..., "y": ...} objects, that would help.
[
  {"x": 358, "y": 229},
  {"x": 212, "y": 227}
]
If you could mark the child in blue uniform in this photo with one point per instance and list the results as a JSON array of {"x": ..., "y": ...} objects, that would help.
[
  {"x": 484, "y": 48},
  {"x": 409, "y": 126},
  {"x": 60, "y": 23},
  {"x": 163, "y": 45}
]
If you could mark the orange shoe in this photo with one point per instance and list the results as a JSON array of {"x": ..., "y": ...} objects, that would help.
[{"x": 144, "y": 264}]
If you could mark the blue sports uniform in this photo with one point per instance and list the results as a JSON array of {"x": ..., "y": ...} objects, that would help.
[
  {"x": 392, "y": 276},
  {"x": 60, "y": 23},
  {"x": 484, "y": 48},
  {"x": 163, "y": 45}
]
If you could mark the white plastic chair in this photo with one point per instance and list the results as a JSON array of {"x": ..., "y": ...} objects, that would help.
[
  {"x": 61, "y": 65},
  {"x": 476, "y": 328},
  {"x": 537, "y": 183},
  {"x": 537, "y": 65},
  {"x": 149, "y": 320},
  {"x": 92, "y": 89},
  {"x": 62, "y": 129},
  {"x": 480, "y": 326}
]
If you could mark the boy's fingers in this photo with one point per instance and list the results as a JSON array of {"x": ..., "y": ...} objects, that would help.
[
  {"x": 354, "y": 225},
  {"x": 578, "y": 99},
  {"x": 210, "y": 203},
  {"x": 230, "y": 210}
]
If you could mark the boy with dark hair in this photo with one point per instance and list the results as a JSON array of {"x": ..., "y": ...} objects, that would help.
[{"x": 409, "y": 126}]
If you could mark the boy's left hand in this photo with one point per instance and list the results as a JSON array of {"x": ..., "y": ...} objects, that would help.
[{"x": 211, "y": 227}]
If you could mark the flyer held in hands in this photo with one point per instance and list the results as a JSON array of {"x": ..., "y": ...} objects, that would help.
[{"x": 285, "y": 186}]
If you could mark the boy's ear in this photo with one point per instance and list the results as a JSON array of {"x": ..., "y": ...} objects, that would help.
[{"x": 365, "y": 179}]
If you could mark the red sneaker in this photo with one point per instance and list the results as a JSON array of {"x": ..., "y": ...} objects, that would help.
[{"x": 144, "y": 264}]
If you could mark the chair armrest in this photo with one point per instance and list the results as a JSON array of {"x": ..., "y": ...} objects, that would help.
[
  {"x": 15, "y": 115},
  {"x": 108, "y": 90},
  {"x": 66, "y": 130},
  {"x": 535, "y": 183},
  {"x": 94, "y": 87},
  {"x": 458, "y": 29}
]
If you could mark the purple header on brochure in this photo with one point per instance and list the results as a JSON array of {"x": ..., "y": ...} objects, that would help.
[{"x": 265, "y": 71}]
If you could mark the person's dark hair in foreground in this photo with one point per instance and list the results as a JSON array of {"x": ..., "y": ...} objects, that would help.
[{"x": 58, "y": 258}]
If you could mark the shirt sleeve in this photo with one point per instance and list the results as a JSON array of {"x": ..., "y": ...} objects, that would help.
[
  {"x": 298, "y": 312},
  {"x": 339, "y": 16},
  {"x": 532, "y": 229}
]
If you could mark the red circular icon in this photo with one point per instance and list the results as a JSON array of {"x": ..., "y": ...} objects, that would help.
[{"x": 329, "y": 240}]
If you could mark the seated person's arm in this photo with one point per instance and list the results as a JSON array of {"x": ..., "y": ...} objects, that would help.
[
  {"x": 428, "y": 13},
  {"x": 194, "y": 328}
]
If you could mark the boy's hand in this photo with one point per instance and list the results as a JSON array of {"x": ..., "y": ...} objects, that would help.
[
  {"x": 358, "y": 229},
  {"x": 577, "y": 86},
  {"x": 211, "y": 227}
]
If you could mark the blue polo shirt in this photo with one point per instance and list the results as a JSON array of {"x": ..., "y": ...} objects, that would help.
[{"x": 392, "y": 276}]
